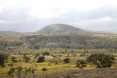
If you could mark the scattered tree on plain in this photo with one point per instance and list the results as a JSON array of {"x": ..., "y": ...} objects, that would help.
[
  {"x": 41, "y": 59},
  {"x": 3, "y": 58},
  {"x": 101, "y": 60},
  {"x": 66, "y": 60},
  {"x": 81, "y": 64}
]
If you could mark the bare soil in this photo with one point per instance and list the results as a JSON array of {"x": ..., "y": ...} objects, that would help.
[{"x": 92, "y": 73}]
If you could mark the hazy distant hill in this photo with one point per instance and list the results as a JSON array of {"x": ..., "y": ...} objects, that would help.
[
  {"x": 59, "y": 36},
  {"x": 59, "y": 28},
  {"x": 9, "y": 33}
]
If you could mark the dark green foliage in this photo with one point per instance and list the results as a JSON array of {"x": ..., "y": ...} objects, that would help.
[
  {"x": 3, "y": 58},
  {"x": 46, "y": 53},
  {"x": 13, "y": 59},
  {"x": 26, "y": 58},
  {"x": 44, "y": 69},
  {"x": 101, "y": 60},
  {"x": 41, "y": 59},
  {"x": 66, "y": 60},
  {"x": 81, "y": 64}
]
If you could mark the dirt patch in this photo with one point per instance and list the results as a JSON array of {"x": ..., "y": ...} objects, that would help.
[{"x": 92, "y": 73}]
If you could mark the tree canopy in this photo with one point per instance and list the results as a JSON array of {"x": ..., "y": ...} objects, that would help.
[
  {"x": 3, "y": 58},
  {"x": 101, "y": 60}
]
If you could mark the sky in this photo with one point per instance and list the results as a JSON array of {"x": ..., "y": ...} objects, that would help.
[{"x": 33, "y": 15}]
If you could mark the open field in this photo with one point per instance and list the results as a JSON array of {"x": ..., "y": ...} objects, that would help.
[
  {"x": 63, "y": 71},
  {"x": 60, "y": 69}
]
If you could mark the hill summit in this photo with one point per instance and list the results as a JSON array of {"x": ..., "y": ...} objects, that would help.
[{"x": 59, "y": 28}]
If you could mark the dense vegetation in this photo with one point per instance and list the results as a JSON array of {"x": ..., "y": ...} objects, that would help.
[
  {"x": 3, "y": 58},
  {"x": 65, "y": 41},
  {"x": 31, "y": 64}
]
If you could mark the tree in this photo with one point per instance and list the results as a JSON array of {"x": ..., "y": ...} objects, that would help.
[
  {"x": 101, "y": 60},
  {"x": 41, "y": 59},
  {"x": 81, "y": 64},
  {"x": 66, "y": 60},
  {"x": 3, "y": 58}
]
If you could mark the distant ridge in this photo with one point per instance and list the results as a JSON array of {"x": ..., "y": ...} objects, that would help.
[
  {"x": 9, "y": 33},
  {"x": 59, "y": 28}
]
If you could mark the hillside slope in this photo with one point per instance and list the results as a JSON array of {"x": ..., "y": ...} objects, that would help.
[
  {"x": 68, "y": 37},
  {"x": 77, "y": 41},
  {"x": 59, "y": 28}
]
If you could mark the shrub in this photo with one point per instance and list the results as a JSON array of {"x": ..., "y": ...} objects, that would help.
[
  {"x": 66, "y": 60},
  {"x": 13, "y": 59},
  {"x": 41, "y": 59},
  {"x": 44, "y": 69},
  {"x": 46, "y": 53},
  {"x": 81, "y": 64}
]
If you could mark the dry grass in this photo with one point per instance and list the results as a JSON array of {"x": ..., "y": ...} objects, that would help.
[{"x": 92, "y": 73}]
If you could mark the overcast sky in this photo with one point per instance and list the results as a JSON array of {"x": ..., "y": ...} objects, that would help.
[{"x": 32, "y": 15}]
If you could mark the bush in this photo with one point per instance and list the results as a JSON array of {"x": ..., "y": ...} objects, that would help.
[
  {"x": 44, "y": 69},
  {"x": 66, "y": 60},
  {"x": 46, "y": 53},
  {"x": 81, "y": 64},
  {"x": 101, "y": 60},
  {"x": 41, "y": 59},
  {"x": 13, "y": 59}
]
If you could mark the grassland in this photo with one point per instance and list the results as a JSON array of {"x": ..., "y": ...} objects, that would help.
[{"x": 63, "y": 70}]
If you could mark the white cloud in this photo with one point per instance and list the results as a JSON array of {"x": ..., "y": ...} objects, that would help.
[
  {"x": 35, "y": 14},
  {"x": 54, "y": 8},
  {"x": 99, "y": 20}
]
